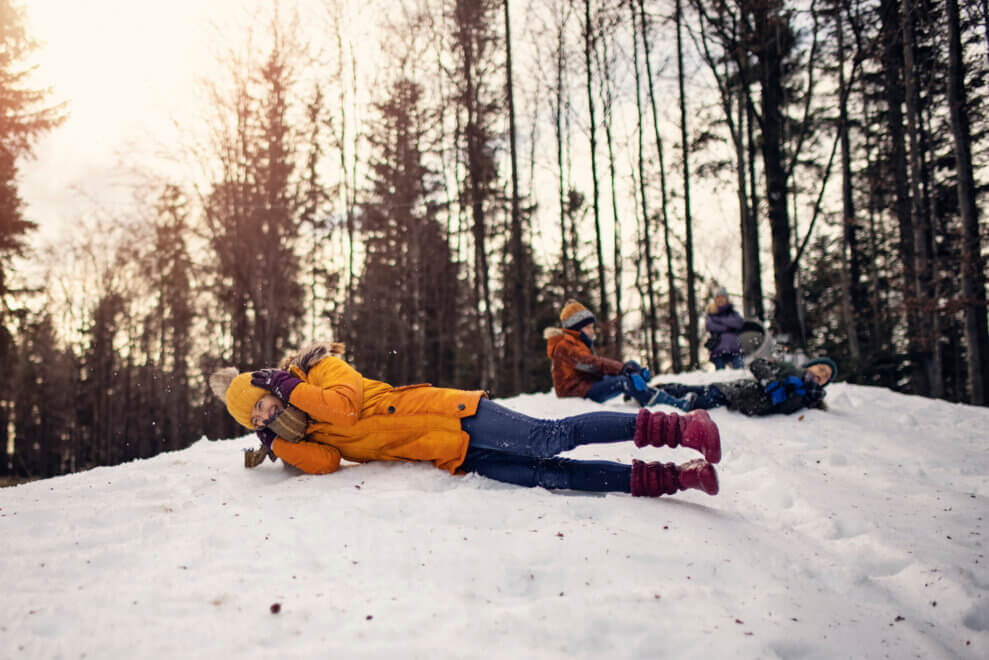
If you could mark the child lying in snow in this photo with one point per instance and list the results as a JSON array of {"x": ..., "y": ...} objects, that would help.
[
  {"x": 321, "y": 410},
  {"x": 778, "y": 387}
]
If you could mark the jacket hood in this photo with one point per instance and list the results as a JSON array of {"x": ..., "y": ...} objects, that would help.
[{"x": 549, "y": 333}]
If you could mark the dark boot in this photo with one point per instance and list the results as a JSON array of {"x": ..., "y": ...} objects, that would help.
[
  {"x": 655, "y": 479},
  {"x": 695, "y": 430}
]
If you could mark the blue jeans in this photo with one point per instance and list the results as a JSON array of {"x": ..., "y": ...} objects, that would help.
[
  {"x": 611, "y": 386},
  {"x": 514, "y": 448},
  {"x": 708, "y": 396},
  {"x": 722, "y": 361}
]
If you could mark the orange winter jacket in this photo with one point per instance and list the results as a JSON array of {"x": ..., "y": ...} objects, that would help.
[
  {"x": 575, "y": 366},
  {"x": 366, "y": 420}
]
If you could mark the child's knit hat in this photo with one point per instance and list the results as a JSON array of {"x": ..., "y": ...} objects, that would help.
[
  {"x": 824, "y": 360},
  {"x": 237, "y": 392},
  {"x": 575, "y": 316}
]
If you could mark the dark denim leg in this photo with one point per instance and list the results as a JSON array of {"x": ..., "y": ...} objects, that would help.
[
  {"x": 709, "y": 397},
  {"x": 607, "y": 388},
  {"x": 720, "y": 362},
  {"x": 500, "y": 429},
  {"x": 552, "y": 473},
  {"x": 679, "y": 389}
]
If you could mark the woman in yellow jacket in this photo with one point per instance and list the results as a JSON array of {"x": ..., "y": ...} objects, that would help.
[{"x": 337, "y": 413}]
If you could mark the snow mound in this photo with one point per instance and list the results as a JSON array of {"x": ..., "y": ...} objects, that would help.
[{"x": 853, "y": 532}]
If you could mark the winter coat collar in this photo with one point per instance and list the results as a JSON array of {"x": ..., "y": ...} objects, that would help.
[{"x": 550, "y": 333}]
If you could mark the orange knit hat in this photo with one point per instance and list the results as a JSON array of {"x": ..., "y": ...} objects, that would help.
[
  {"x": 237, "y": 392},
  {"x": 575, "y": 316}
]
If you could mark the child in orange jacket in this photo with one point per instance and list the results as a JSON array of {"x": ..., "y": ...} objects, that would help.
[
  {"x": 318, "y": 410},
  {"x": 579, "y": 372}
]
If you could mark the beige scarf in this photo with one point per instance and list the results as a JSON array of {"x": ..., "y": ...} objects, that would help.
[{"x": 290, "y": 425}]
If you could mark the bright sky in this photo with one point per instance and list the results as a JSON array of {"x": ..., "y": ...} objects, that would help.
[{"x": 125, "y": 68}]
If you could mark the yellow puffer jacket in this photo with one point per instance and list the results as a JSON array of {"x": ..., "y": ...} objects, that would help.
[{"x": 366, "y": 420}]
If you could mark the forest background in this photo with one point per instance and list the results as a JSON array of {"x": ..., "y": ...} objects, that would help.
[{"x": 428, "y": 180}]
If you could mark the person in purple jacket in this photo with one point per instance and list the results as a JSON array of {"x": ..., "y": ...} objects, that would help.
[{"x": 724, "y": 323}]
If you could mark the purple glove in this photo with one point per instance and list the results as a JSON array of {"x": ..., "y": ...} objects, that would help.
[{"x": 280, "y": 383}]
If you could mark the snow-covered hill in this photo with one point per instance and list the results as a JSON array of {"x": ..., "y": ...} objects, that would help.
[{"x": 853, "y": 533}]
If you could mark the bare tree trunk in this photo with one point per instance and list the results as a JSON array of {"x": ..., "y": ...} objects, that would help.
[
  {"x": 768, "y": 20},
  {"x": 479, "y": 171},
  {"x": 973, "y": 274},
  {"x": 674, "y": 315},
  {"x": 489, "y": 375},
  {"x": 646, "y": 233},
  {"x": 878, "y": 304},
  {"x": 558, "y": 110},
  {"x": 893, "y": 69},
  {"x": 921, "y": 223},
  {"x": 589, "y": 46},
  {"x": 985, "y": 24},
  {"x": 347, "y": 198},
  {"x": 606, "y": 84},
  {"x": 750, "y": 122},
  {"x": 851, "y": 303},
  {"x": 692, "y": 329},
  {"x": 749, "y": 221},
  {"x": 520, "y": 276}
]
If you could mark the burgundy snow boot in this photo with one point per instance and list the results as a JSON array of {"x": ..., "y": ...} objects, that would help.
[
  {"x": 695, "y": 430},
  {"x": 698, "y": 474},
  {"x": 655, "y": 479}
]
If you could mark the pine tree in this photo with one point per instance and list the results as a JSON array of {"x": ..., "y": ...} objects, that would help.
[
  {"x": 406, "y": 298},
  {"x": 254, "y": 210},
  {"x": 25, "y": 115}
]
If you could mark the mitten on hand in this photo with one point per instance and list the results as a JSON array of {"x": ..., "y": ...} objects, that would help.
[
  {"x": 776, "y": 392},
  {"x": 631, "y": 367},
  {"x": 779, "y": 390},
  {"x": 278, "y": 382},
  {"x": 255, "y": 457}
]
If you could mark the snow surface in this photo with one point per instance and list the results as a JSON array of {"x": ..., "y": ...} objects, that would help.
[{"x": 851, "y": 533}]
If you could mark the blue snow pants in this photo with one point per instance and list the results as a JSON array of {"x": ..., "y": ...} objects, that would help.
[
  {"x": 514, "y": 448},
  {"x": 611, "y": 386}
]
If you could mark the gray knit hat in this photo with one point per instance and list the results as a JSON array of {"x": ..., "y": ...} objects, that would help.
[{"x": 575, "y": 316}]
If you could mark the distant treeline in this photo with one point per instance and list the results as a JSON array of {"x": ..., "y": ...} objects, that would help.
[{"x": 495, "y": 174}]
